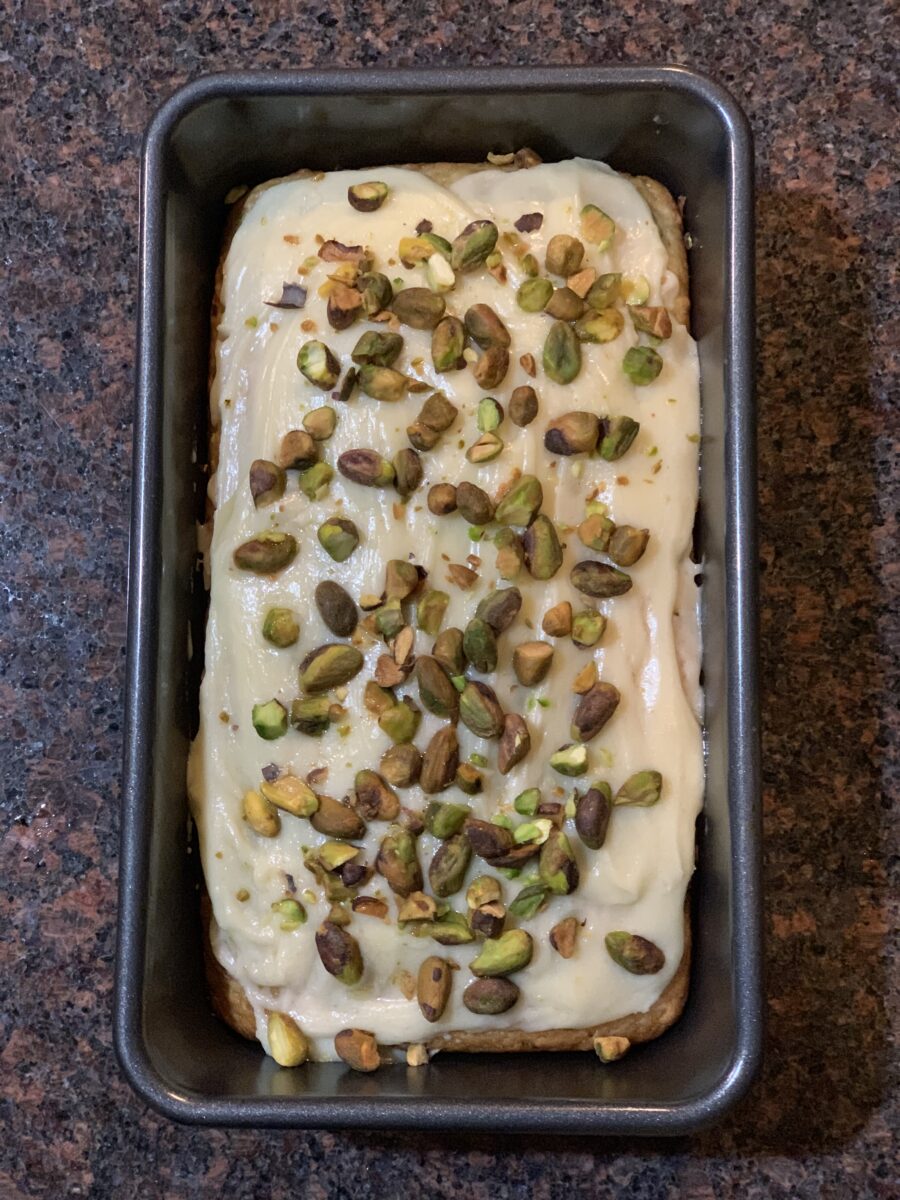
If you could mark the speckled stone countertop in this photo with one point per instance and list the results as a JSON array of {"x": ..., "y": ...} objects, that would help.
[{"x": 77, "y": 85}]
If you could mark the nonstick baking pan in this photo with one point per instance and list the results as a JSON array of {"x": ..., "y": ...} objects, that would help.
[{"x": 232, "y": 129}]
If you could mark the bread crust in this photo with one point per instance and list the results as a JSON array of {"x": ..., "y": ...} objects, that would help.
[{"x": 229, "y": 1000}]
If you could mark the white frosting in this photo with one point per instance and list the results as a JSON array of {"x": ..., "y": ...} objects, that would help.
[{"x": 637, "y": 881}]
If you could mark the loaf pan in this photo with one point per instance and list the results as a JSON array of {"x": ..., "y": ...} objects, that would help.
[{"x": 232, "y": 129}]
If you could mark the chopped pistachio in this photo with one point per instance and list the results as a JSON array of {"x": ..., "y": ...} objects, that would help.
[
  {"x": 641, "y": 364},
  {"x": 270, "y": 720}
]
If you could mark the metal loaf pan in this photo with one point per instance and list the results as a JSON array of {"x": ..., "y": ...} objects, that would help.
[{"x": 244, "y": 128}]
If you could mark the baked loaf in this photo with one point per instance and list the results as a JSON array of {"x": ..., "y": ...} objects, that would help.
[{"x": 449, "y": 759}]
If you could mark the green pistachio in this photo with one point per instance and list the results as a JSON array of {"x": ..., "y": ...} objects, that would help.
[
  {"x": 339, "y": 953},
  {"x": 491, "y": 368},
  {"x": 320, "y": 424},
  {"x": 558, "y": 869},
  {"x": 522, "y": 502},
  {"x": 468, "y": 780},
  {"x": 401, "y": 723},
  {"x": 592, "y": 811},
  {"x": 430, "y": 611},
  {"x": 600, "y": 327},
  {"x": 311, "y": 716},
  {"x": 564, "y": 305},
  {"x": 627, "y": 545},
  {"x": 414, "y": 250},
  {"x": 318, "y": 364},
  {"x": 401, "y": 578},
  {"x": 452, "y": 929},
  {"x": 366, "y": 467},
  {"x": 500, "y": 608},
  {"x": 599, "y": 580},
  {"x": 503, "y": 955},
  {"x": 534, "y": 294},
  {"x": 483, "y": 890},
  {"x": 473, "y": 245},
  {"x": 543, "y": 552},
  {"x": 287, "y": 1043},
  {"x": 605, "y": 292},
  {"x": 400, "y": 765},
  {"x": 616, "y": 437},
  {"x": 397, "y": 862},
  {"x": 527, "y": 802},
  {"x": 377, "y": 293},
  {"x": 570, "y": 759},
  {"x": 597, "y": 227},
  {"x": 531, "y": 662},
  {"x": 373, "y": 798},
  {"x": 291, "y": 795},
  {"x": 418, "y": 307},
  {"x": 329, "y": 667},
  {"x": 480, "y": 646},
  {"x": 447, "y": 870},
  {"x": 480, "y": 711},
  {"x": 588, "y": 627},
  {"x": 562, "y": 353},
  {"x": 439, "y": 275},
  {"x": 267, "y": 482},
  {"x": 572, "y": 433},
  {"x": 530, "y": 266},
  {"x": 339, "y": 537},
  {"x": 336, "y": 607},
  {"x": 486, "y": 449},
  {"x": 382, "y": 383},
  {"x": 641, "y": 364},
  {"x": 448, "y": 340},
  {"x": 261, "y": 815},
  {"x": 266, "y": 554},
  {"x": 485, "y": 328},
  {"x": 443, "y": 820},
  {"x": 564, "y": 255},
  {"x": 530, "y": 901},
  {"x": 387, "y": 620},
  {"x": 437, "y": 693},
  {"x": 280, "y": 627},
  {"x": 640, "y": 790},
  {"x": 448, "y": 650},
  {"x": 515, "y": 743},
  {"x": 636, "y": 290},
  {"x": 333, "y": 855},
  {"x": 314, "y": 482},
  {"x": 593, "y": 710},
  {"x": 433, "y": 987},
  {"x": 489, "y": 416},
  {"x": 367, "y": 197},
  {"x": 636, "y": 954},
  {"x": 651, "y": 319},
  {"x": 595, "y": 531},
  {"x": 438, "y": 243},
  {"x": 376, "y": 348}
]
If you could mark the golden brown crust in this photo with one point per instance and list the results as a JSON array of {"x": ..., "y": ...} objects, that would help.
[{"x": 228, "y": 997}]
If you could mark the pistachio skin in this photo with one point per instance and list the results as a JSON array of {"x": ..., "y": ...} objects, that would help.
[{"x": 641, "y": 790}]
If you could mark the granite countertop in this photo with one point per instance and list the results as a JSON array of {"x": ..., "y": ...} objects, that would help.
[{"x": 79, "y": 84}]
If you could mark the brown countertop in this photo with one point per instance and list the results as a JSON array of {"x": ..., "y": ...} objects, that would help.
[{"x": 79, "y": 83}]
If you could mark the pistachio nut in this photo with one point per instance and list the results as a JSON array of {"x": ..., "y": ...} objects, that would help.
[
  {"x": 462, "y": 576},
  {"x": 448, "y": 340},
  {"x": 436, "y": 242},
  {"x": 468, "y": 779},
  {"x": 270, "y": 720},
  {"x": 421, "y": 437},
  {"x": 400, "y": 765},
  {"x": 503, "y": 955},
  {"x": 522, "y": 502},
  {"x": 480, "y": 711},
  {"x": 528, "y": 802},
  {"x": 318, "y": 364},
  {"x": 510, "y": 554},
  {"x": 280, "y": 627},
  {"x": 531, "y": 662},
  {"x": 451, "y": 929},
  {"x": 562, "y": 353},
  {"x": 260, "y": 815},
  {"x": 397, "y": 862},
  {"x": 334, "y": 855},
  {"x": 473, "y": 245},
  {"x": 413, "y": 250},
  {"x": 408, "y": 472},
  {"x": 616, "y": 438},
  {"x": 564, "y": 255},
  {"x": 588, "y": 627},
  {"x": 564, "y": 305},
  {"x": 586, "y": 678},
  {"x": 596, "y": 227},
  {"x": 267, "y": 482},
  {"x": 515, "y": 743},
  {"x": 599, "y": 580},
  {"x": 329, "y": 666},
  {"x": 291, "y": 795},
  {"x": 358, "y": 1049},
  {"x": 315, "y": 480},
  {"x": 593, "y": 710},
  {"x": 401, "y": 723},
  {"x": 474, "y": 504},
  {"x": 530, "y": 901},
  {"x": 366, "y": 467},
  {"x": 483, "y": 890},
  {"x": 530, "y": 266},
  {"x": 595, "y": 531},
  {"x": 570, "y": 759},
  {"x": 433, "y": 987},
  {"x": 377, "y": 349},
  {"x": 417, "y": 906},
  {"x": 287, "y": 1042},
  {"x": 367, "y": 197},
  {"x": 373, "y": 798},
  {"x": 582, "y": 281},
  {"x": 486, "y": 449},
  {"x": 572, "y": 433},
  {"x": 611, "y": 1048},
  {"x": 489, "y": 415},
  {"x": 485, "y": 328},
  {"x": 337, "y": 820},
  {"x": 592, "y": 811},
  {"x": 605, "y": 292},
  {"x": 490, "y": 997},
  {"x": 387, "y": 620},
  {"x": 627, "y": 545},
  {"x": 523, "y": 406},
  {"x": 266, "y": 554},
  {"x": 437, "y": 693},
  {"x": 491, "y": 368},
  {"x": 376, "y": 292},
  {"x": 311, "y": 716},
  {"x": 430, "y": 610},
  {"x": 401, "y": 578},
  {"x": 500, "y": 608},
  {"x": 339, "y": 953},
  {"x": 534, "y": 294},
  {"x": 516, "y": 858},
  {"x": 641, "y": 364},
  {"x": 563, "y": 936},
  {"x": 338, "y": 537},
  {"x": 557, "y": 866},
  {"x": 600, "y": 327},
  {"x": 348, "y": 386},
  {"x": 557, "y": 620},
  {"x": 344, "y": 305},
  {"x": 488, "y": 841},
  {"x": 438, "y": 413},
  {"x": 543, "y": 552},
  {"x": 439, "y": 275},
  {"x": 652, "y": 319},
  {"x": 418, "y": 307},
  {"x": 480, "y": 646},
  {"x": 448, "y": 650},
  {"x": 331, "y": 883},
  {"x": 447, "y": 869},
  {"x": 382, "y": 383},
  {"x": 440, "y": 760},
  {"x": 336, "y": 607},
  {"x": 442, "y": 499},
  {"x": 635, "y": 953},
  {"x": 640, "y": 790},
  {"x": 443, "y": 819},
  {"x": 369, "y": 906}
]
